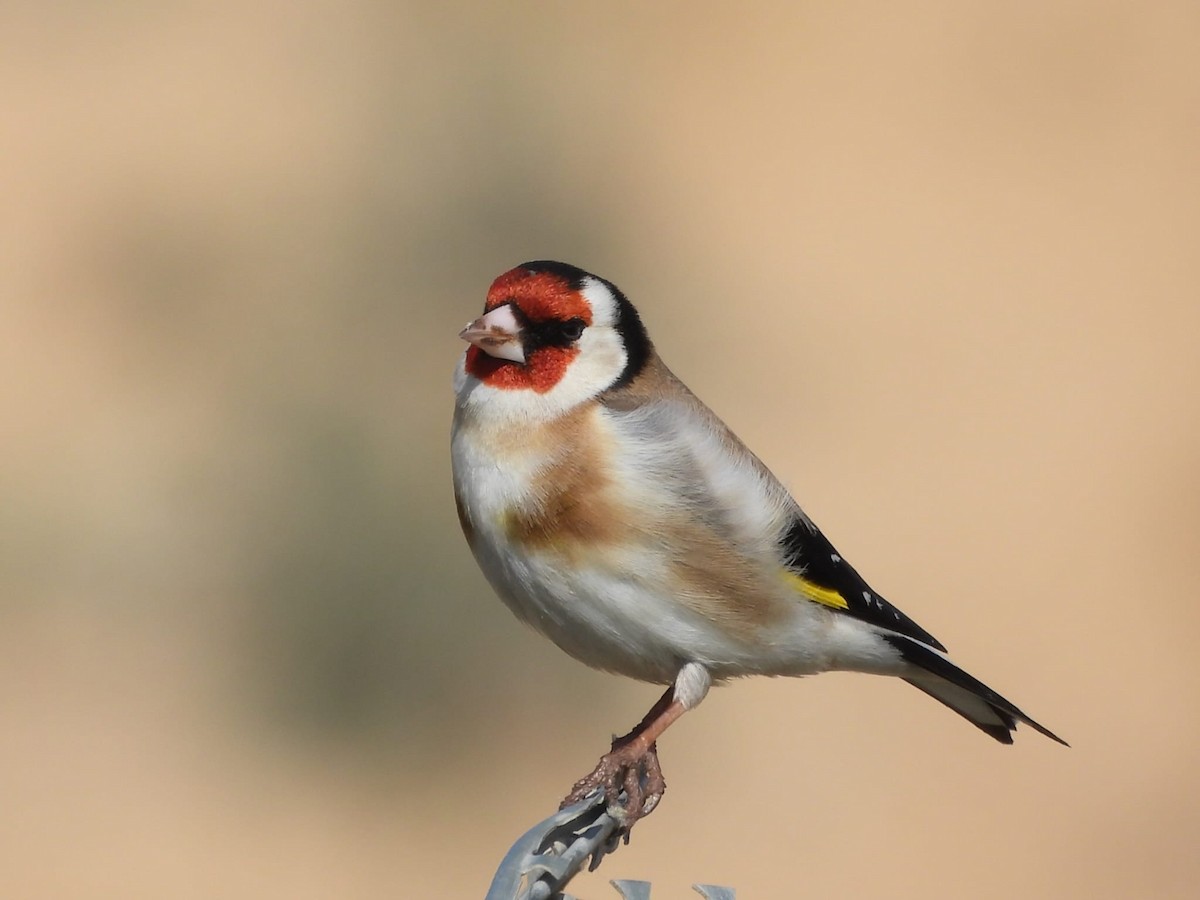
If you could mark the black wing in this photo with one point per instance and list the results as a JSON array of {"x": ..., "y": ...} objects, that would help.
[{"x": 824, "y": 577}]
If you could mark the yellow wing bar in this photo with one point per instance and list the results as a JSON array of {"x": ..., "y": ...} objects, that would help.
[{"x": 816, "y": 593}]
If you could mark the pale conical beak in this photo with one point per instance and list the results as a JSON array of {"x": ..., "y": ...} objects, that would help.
[{"x": 497, "y": 334}]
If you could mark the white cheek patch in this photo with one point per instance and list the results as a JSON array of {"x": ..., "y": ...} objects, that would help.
[{"x": 600, "y": 362}]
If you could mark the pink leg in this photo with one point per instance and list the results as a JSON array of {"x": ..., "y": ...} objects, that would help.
[{"x": 632, "y": 764}]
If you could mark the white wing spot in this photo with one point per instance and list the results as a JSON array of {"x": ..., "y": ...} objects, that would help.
[{"x": 835, "y": 557}]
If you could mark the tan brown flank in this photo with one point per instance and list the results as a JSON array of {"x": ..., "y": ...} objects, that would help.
[
  {"x": 717, "y": 582},
  {"x": 574, "y": 509}
]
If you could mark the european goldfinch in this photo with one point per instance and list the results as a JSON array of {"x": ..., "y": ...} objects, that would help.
[{"x": 615, "y": 513}]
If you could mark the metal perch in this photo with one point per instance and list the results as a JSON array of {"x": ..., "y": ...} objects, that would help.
[{"x": 552, "y": 852}]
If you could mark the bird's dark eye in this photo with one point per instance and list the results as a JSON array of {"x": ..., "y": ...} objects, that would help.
[
  {"x": 572, "y": 329},
  {"x": 553, "y": 333}
]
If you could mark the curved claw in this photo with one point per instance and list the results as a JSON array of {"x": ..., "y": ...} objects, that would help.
[{"x": 628, "y": 770}]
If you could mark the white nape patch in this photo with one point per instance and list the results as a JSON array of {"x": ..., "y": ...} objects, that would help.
[{"x": 691, "y": 685}]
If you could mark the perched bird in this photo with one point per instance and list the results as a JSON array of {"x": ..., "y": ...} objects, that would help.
[{"x": 615, "y": 513}]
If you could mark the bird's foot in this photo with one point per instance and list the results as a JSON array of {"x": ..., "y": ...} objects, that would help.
[{"x": 631, "y": 766}]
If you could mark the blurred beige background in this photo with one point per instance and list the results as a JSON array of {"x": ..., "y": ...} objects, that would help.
[{"x": 935, "y": 262}]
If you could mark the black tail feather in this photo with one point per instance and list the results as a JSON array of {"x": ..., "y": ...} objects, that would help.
[{"x": 963, "y": 693}]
